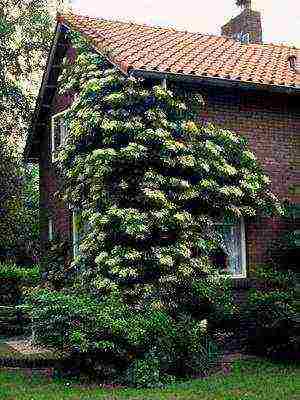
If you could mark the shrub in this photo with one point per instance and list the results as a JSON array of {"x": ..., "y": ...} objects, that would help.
[
  {"x": 284, "y": 252},
  {"x": 55, "y": 262},
  {"x": 135, "y": 345},
  {"x": 22, "y": 275},
  {"x": 272, "y": 310}
]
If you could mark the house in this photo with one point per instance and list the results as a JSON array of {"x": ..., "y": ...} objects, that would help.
[{"x": 249, "y": 87}]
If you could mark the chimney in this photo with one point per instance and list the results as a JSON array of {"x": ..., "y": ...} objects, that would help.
[{"x": 246, "y": 27}]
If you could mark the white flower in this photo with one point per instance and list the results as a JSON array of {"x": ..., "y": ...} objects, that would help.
[{"x": 203, "y": 325}]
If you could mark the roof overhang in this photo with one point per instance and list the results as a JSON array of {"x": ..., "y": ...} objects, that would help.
[
  {"x": 196, "y": 79},
  {"x": 46, "y": 94}
]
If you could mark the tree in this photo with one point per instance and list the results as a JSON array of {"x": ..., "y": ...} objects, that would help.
[
  {"x": 29, "y": 230},
  {"x": 147, "y": 183},
  {"x": 25, "y": 32},
  {"x": 10, "y": 195},
  {"x": 25, "y": 35}
]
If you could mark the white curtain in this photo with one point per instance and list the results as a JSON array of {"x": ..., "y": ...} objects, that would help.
[{"x": 231, "y": 244}]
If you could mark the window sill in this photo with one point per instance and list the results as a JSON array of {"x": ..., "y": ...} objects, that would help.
[{"x": 241, "y": 282}]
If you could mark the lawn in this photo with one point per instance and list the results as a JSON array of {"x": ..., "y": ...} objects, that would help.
[{"x": 249, "y": 380}]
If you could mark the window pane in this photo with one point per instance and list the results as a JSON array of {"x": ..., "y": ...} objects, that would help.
[
  {"x": 63, "y": 131},
  {"x": 232, "y": 246}
]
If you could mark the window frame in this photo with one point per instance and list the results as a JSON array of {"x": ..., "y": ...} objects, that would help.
[
  {"x": 243, "y": 274},
  {"x": 54, "y": 118},
  {"x": 50, "y": 229},
  {"x": 75, "y": 233}
]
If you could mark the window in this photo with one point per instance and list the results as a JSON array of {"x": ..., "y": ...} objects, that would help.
[
  {"x": 231, "y": 256},
  {"x": 59, "y": 132},
  {"x": 242, "y": 37},
  {"x": 76, "y": 232},
  {"x": 50, "y": 229},
  {"x": 294, "y": 61},
  {"x": 79, "y": 229}
]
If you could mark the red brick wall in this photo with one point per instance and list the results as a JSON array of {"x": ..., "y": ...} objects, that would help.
[
  {"x": 51, "y": 207},
  {"x": 272, "y": 126}
]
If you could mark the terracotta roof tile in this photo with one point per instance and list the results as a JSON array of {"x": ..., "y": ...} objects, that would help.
[{"x": 169, "y": 50}]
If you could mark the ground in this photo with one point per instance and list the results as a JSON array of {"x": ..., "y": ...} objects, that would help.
[{"x": 253, "y": 379}]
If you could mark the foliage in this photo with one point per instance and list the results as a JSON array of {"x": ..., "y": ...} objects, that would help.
[
  {"x": 111, "y": 332},
  {"x": 19, "y": 212},
  {"x": 148, "y": 197},
  {"x": 272, "y": 309},
  {"x": 29, "y": 235},
  {"x": 25, "y": 28},
  {"x": 25, "y": 34},
  {"x": 10, "y": 195},
  {"x": 284, "y": 252},
  {"x": 55, "y": 262},
  {"x": 29, "y": 275}
]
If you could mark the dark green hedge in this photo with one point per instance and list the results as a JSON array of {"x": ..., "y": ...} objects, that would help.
[{"x": 23, "y": 275}]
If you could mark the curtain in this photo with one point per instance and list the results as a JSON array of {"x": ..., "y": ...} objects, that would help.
[{"x": 231, "y": 245}]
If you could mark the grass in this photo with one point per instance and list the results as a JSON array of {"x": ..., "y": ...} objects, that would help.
[{"x": 249, "y": 380}]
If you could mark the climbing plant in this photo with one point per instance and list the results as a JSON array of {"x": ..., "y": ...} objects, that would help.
[{"x": 149, "y": 184}]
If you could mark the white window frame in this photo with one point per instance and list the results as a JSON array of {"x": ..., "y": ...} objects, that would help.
[
  {"x": 243, "y": 251},
  {"x": 75, "y": 233},
  {"x": 50, "y": 229},
  {"x": 243, "y": 273},
  {"x": 54, "y": 118}
]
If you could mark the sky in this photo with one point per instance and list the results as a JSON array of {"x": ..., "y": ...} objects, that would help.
[{"x": 280, "y": 18}]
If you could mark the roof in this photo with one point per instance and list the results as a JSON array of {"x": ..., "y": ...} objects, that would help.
[{"x": 167, "y": 50}]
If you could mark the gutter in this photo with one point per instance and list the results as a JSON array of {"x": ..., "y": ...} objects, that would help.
[
  {"x": 45, "y": 78},
  {"x": 213, "y": 81}
]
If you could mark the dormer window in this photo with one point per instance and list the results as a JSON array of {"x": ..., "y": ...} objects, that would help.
[
  {"x": 295, "y": 62},
  {"x": 59, "y": 133},
  {"x": 292, "y": 61}
]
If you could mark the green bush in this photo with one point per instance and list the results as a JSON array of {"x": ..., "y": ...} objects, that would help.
[
  {"x": 112, "y": 333},
  {"x": 23, "y": 275},
  {"x": 55, "y": 261},
  {"x": 271, "y": 308}
]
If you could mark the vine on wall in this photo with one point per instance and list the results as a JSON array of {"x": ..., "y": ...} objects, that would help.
[{"x": 149, "y": 182}]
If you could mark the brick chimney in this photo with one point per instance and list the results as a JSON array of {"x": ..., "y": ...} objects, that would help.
[{"x": 246, "y": 27}]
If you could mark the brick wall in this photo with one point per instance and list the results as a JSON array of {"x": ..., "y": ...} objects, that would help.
[
  {"x": 50, "y": 206},
  {"x": 271, "y": 123}
]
